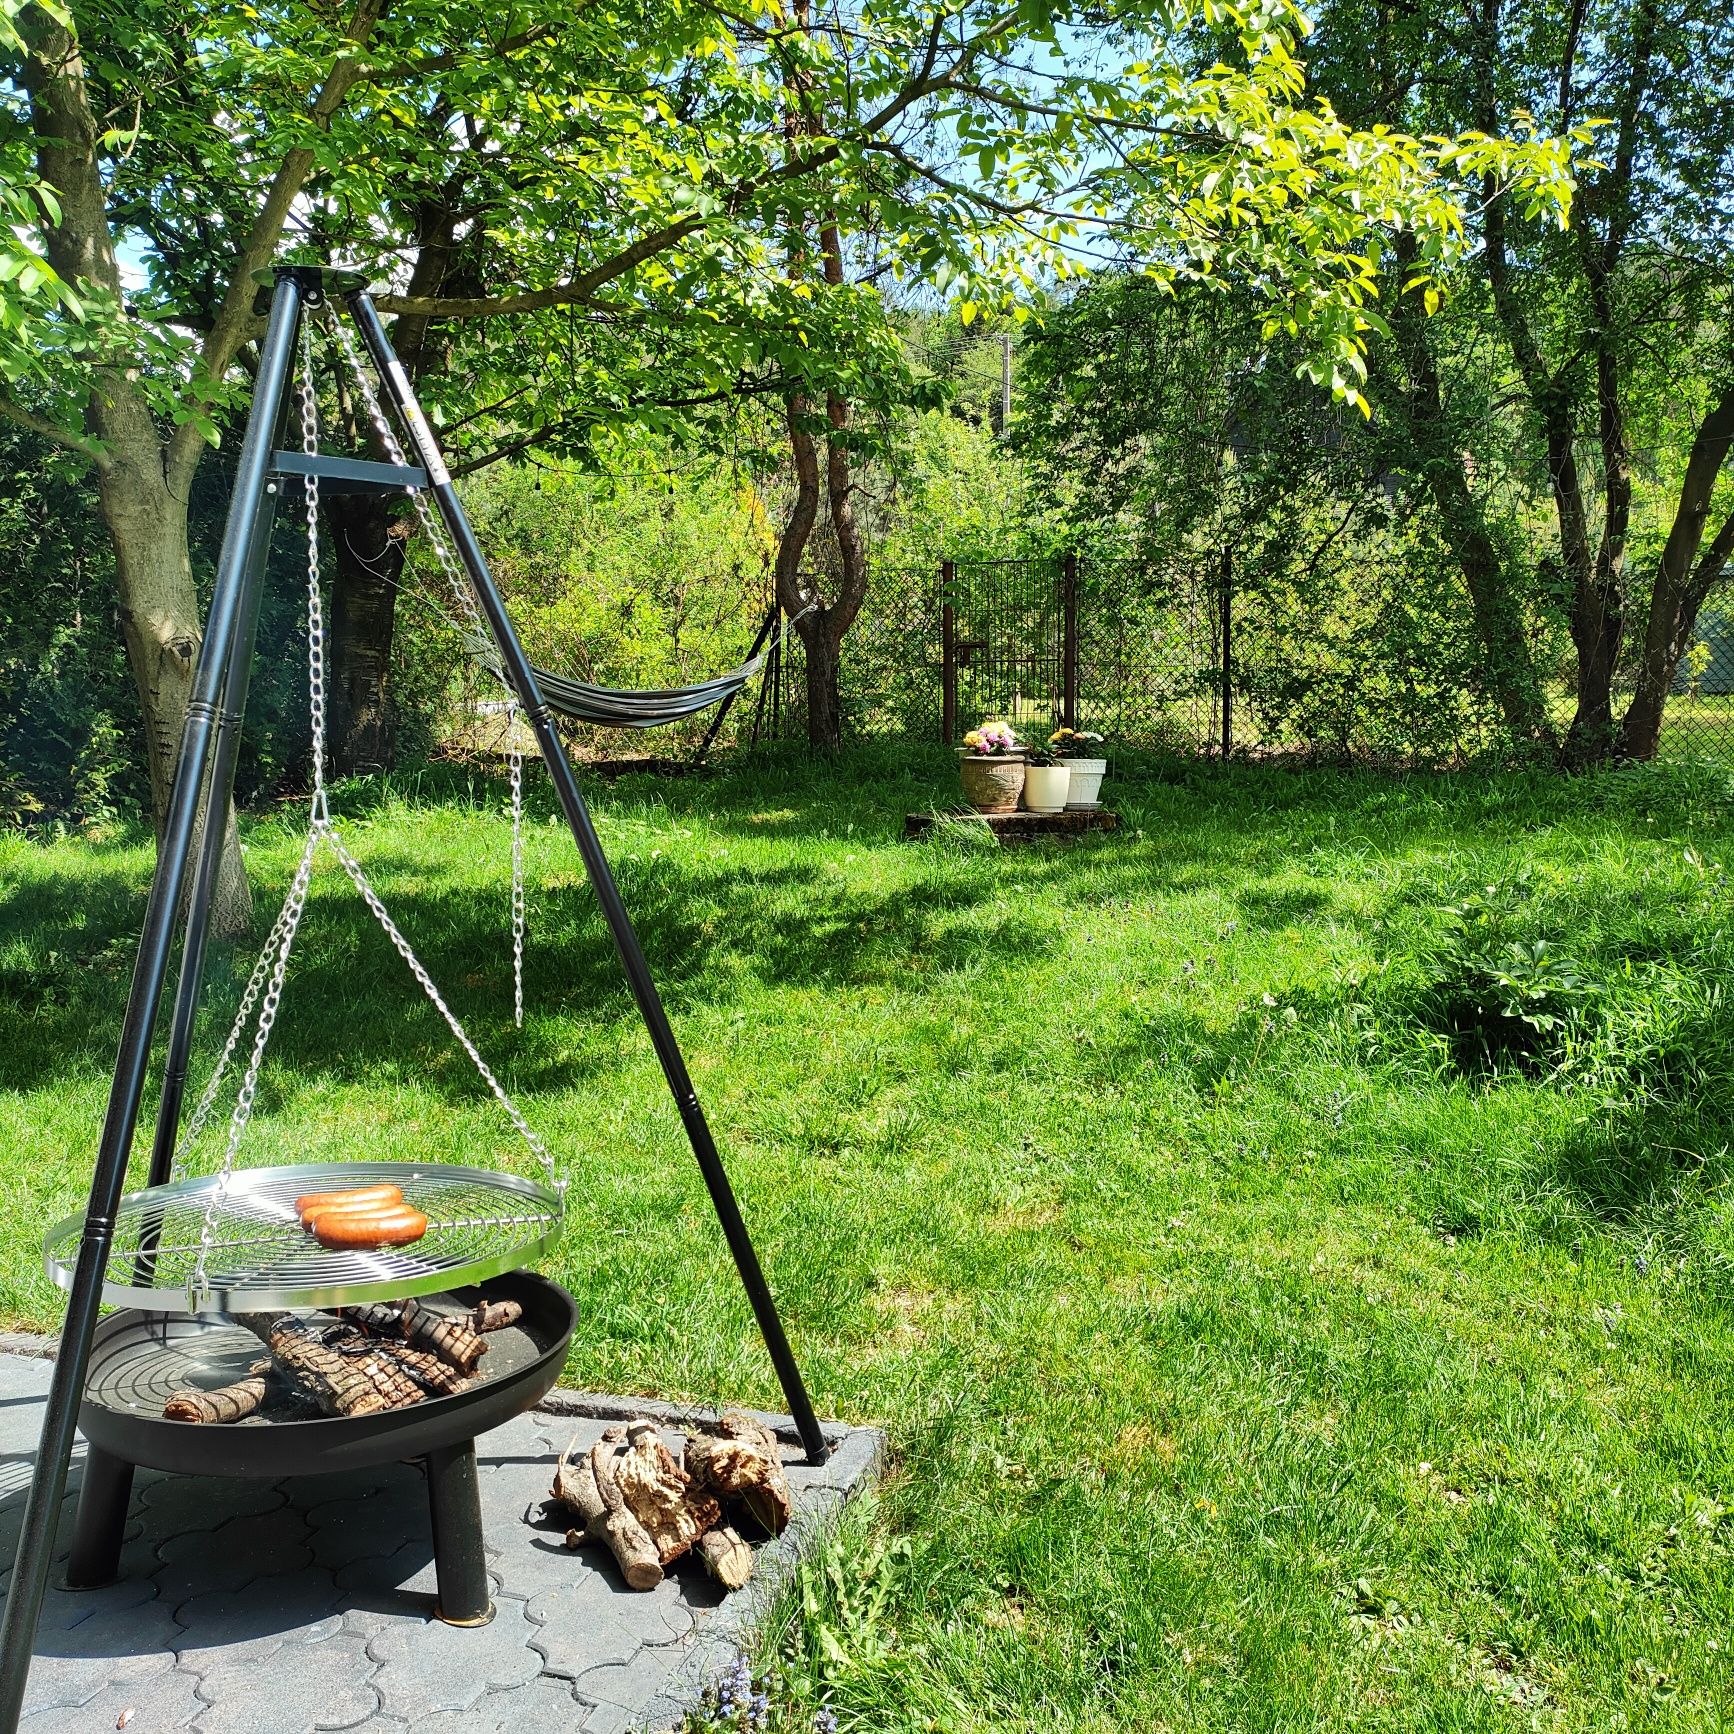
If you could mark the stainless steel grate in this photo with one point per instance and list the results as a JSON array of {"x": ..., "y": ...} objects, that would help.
[{"x": 481, "y": 1223}]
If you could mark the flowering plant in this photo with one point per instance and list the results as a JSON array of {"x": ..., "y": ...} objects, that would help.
[
  {"x": 1075, "y": 743},
  {"x": 1043, "y": 758},
  {"x": 992, "y": 737}
]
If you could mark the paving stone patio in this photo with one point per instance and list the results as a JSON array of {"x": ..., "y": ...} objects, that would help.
[{"x": 253, "y": 1607}]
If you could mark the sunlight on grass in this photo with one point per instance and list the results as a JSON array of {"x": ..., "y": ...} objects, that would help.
[{"x": 1258, "y": 1351}]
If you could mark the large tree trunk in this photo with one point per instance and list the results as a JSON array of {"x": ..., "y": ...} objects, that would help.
[
  {"x": 823, "y": 646},
  {"x": 370, "y": 542},
  {"x": 145, "y": 516},
  {"x": 1682, "y": 579},
  {"x": 1507, "y": 666},
  {"x": 159, "y": 620}
]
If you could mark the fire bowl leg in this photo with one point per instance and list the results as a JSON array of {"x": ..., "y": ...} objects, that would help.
[
  {"x": 102, "y": 1512},
  {"x": 460, "y": 1564}
]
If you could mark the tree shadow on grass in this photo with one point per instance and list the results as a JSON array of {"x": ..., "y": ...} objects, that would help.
[{"x": 352, "y": 1011}]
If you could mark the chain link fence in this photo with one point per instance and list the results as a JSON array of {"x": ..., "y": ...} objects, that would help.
[{"x": 1185, "y": 659}]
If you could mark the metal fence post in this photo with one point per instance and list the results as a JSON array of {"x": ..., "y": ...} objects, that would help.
[
  {"x": 1227, "y": 653},
  {"x": 1069, "y": 641},
  {"x": 947, "y": 655}
]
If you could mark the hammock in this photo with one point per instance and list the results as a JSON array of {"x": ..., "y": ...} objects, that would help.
[{"x": 642, "y": 707}]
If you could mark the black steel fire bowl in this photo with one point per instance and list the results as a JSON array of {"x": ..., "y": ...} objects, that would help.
[{"x": 138, "y": 1359}]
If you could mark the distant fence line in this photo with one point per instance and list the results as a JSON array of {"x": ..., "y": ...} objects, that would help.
[
  {"x": 1182, "y": 660},
  {"x": 1187, "y": 661}
]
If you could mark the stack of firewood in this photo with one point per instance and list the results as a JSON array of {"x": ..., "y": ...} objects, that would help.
[
  {"x": 357, "y": 1361},
  {"x": 648, "y": 1508}
]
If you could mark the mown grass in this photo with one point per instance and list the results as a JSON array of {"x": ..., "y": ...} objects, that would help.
[{"x": 1260, "y": 1348}]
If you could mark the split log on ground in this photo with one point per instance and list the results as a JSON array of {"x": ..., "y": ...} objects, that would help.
[
  {"x": 608, "y": 1522},
  {"x": 452, "y": 1338},
  {"x": 658, "y": 1492},
  {"x": 494, "y": 1315},
  {"x": 726, "y": 1557},
  {"x": 339, "y": 1384},
  {"x": 224, "y": 1406},
  {"x": 742, "y": 1460}
]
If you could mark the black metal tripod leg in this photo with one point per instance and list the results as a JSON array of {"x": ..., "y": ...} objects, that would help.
[
  {"x": 460, "y": 1562},
  {"x": 60, "y": 1411},
  {"x": 102, "y": 1511},
  {"x": 650, "y": 1008}
]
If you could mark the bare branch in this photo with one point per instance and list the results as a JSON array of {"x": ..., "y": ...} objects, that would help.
[
  {"x": 234, "y": 320},
  {"x": 40, "y": 425}
]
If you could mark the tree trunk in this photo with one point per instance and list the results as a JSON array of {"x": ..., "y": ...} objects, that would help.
[
  {"x": 1507, "y": 666},
  {"x": 1682, "y": 579},
  {"x": 370, "y": 548},
  {"x": 159, "y": 620},
  {"x": 823, "y": 644}
]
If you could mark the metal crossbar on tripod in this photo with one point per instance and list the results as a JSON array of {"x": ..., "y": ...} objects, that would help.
[{"x": 188, "y": 1235}]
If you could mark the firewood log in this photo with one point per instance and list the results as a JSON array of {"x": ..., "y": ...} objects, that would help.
[
  {"x": 726, "y": 1557},
  {"x": 742, "y": 1461},
  {"x": 606, "y": 1521},
  {"x": 224, "y": 1406},
  {"x": 494, "y": 1315},
  {"x": 340, "y": 1384},
  {"x": 451, "y": 1338},
  {"x": 657, "y": 1492}
]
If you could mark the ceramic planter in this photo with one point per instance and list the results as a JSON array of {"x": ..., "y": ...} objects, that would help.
[
  {"x": 1086, "y": 789},
  {"x": 992, "y": 782},
  {"x": 1045, "y": 787}
]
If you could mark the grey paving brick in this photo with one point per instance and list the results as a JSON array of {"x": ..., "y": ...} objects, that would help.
[
  {"x": 311, "y": 1685},
  {"x": 429, "y": 1666},
  {"x": 583, "y": 1623},
  {"x": 375, "y": 1524},
  {"x": 254, "y": 1622},
  {"x": 631, "y": 1685},
  {"x": 544, "y": 1706},
  {"x": 404, "y": 1582},
  {"x": 63, "y": 1678},
  {"x": 232, "y": 1555},
  {"x": 180, "y": 1504},
  {"x": 160, "y": 1700}
]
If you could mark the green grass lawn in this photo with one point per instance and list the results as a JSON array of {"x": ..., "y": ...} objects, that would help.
[{"x": 1274, "y": 1330}]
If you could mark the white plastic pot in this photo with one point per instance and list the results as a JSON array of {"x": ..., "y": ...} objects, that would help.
[
  {"x": 1086, "y": 785},
  {"x": 1046, "y": 788}
]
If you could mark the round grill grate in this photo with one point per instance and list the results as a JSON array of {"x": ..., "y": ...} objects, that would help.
[{"x": 480, "y": 1224}]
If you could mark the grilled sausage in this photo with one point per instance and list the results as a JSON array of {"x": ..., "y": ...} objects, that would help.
[
  {"x": 369, "y": 1226},
  {"x": 309, "y": 1202}
]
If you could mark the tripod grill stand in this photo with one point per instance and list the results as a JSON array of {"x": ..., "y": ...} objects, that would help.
[{"x": 186, "y": 874}]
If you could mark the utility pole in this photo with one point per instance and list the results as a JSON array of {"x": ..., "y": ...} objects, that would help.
[{"x": 1004, "y": 384}]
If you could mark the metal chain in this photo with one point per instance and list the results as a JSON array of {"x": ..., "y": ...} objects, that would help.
[
  {"x": 271, "y": 969},
  {"x": 458, "y": 586},
  {"x": 198, "y": 1284},
  {"x": 371, "y": 898},
  {"x": 243, "y": 1016},
  {"x": 518, "y": 922}
]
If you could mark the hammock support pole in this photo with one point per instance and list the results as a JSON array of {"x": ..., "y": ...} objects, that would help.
[
  {"x": 522, "y": 678},
  {"x": 223, "y": 630},
  {"x": 728, "y": 704}
]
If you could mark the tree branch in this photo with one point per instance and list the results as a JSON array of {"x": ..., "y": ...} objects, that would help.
[
  {"x": 230, "y": 329},
  {"x": 40, "y": 425}
]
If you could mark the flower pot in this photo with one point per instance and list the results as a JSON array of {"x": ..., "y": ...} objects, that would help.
[
  {"x": 1086, "y": 790},
  {"x": 992, "y": 782},
  {"x": 1045, "y": 788}
]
